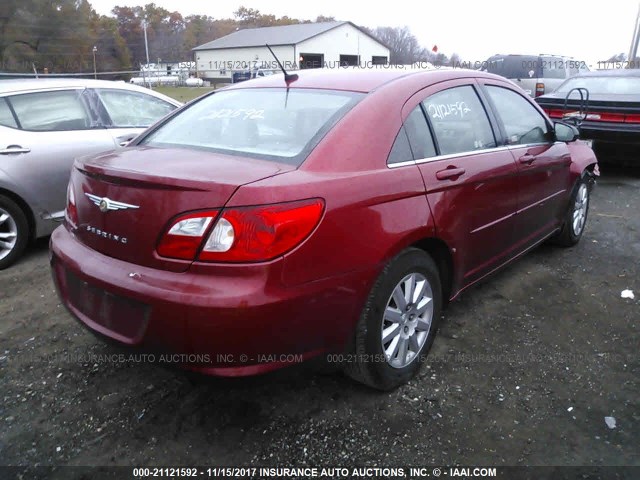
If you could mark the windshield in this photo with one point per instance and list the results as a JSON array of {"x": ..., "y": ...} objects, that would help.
[
  {"x": 264, "y": 123},
  {"x": 603, "y": 85}
]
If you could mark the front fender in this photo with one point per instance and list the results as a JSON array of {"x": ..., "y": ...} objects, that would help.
[{"x": 582, "y": 158}]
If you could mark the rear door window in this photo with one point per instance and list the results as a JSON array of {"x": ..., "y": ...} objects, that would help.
[
  {"x": 419, "y": 134},
  {"x": 51, "y": 111},
  {"x": 401, "y": 150},
  {"x": 6, "y": 117},
  {"x": 133, "y": 109},
  {"x": 459, "y": 121},
  {"x": 414, "y": 142}
]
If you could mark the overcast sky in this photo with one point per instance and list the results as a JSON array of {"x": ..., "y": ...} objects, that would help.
[{"x": 587, "y": 30}]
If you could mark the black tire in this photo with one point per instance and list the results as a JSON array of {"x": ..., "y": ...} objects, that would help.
[
  {"x": 14, "y": 222},
  {"x": 367, "y": 362},
  {"x": 570, "y": 235}
]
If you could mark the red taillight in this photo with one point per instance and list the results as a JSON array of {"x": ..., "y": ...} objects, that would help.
[
  {"x": 184, "y": 237},
  {"x": 71, "y": 213},
  {"x": 244, "y": 234},
  {"x": 596, "y": 116},
  {"x": 554, "y": 113},
  {"x": 539, "y": 89},
  {"x": 605, "y": 117}
]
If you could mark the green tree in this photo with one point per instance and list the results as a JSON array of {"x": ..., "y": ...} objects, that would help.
[
  {"x": 200, "y": 29},
  {"x": 324, "y": 19},
  {"x": 56, "y": 34},
  {"x": 252, "y": 18}
]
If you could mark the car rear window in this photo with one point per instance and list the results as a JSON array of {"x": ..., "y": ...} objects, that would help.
[
  {"x": 515, "y": 66},
  {"x": 554, "y": 67},
  {"x": 269, "y": 123},
  {"x": 603, "y": 85}
]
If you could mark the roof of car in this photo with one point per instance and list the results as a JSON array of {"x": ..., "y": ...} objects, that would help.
[
  {"x": 359, "y": 79},
  {"x": 30, "y": 84}
]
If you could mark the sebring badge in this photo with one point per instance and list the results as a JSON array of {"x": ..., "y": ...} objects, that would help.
[{"x": 105, "y": 204}]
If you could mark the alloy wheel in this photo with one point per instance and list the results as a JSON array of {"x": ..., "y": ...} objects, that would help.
[
  {"x": 8, "y": 233},
  {"x": 407, "y": 320},
  {"x": 580, "y": 209}
]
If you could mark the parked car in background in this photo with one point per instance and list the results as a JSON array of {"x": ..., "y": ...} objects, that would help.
[
  {"x": 609, "y": 116},
  {"x": 335, "y": 212},
  {"x": 44, "y": 125},
  {"x": 535, "y": 74},
  {"x": 244, "y": 75}
]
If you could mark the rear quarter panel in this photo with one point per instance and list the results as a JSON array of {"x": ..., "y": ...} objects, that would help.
[
  {"x": 372, "y": 211},
  {"x": 369, "y": 217}
]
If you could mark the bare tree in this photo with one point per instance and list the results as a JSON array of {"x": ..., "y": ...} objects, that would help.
[
  {"x": 403, "y": 45},
  {"x": 455, "y": 60}
]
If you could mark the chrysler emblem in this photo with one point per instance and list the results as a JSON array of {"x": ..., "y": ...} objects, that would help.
[{"x": 106, "y": 204}]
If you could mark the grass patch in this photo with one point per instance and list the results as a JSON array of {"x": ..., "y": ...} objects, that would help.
[{"x": 183, "y": 94}]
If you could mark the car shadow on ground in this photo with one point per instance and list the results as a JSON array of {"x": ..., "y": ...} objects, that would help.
[{"x": 155, "y": 406}]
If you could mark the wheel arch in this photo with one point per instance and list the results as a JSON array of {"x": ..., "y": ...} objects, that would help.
[
  {"x": 440, "y": 252},
  {"x": 582, "y": 159},
  {"x": 24, "y": 206}
]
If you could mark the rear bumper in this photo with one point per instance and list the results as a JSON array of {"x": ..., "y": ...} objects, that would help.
[
  {"x": 221, "y": 320},
  {"x": 611, "y": 132}
]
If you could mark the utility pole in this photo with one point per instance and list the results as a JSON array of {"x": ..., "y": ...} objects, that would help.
[
  {"x": 633, "y": 50},
  {"x": 95, "y": 72},
  {"x": 146, "y": 43}
]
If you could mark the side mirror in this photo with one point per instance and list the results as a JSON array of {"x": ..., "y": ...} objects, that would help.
[{"x": 565, "y": 132}]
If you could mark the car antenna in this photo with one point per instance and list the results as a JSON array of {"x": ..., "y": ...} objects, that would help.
[{"x": 288, "y": 77}]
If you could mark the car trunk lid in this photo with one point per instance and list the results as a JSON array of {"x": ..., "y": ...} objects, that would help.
[
  {"x": 612, "y": 108},
  {"x": 126, "y": 200}
]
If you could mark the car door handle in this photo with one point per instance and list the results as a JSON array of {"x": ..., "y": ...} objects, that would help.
[
  {"x": 450, "y": 173},
  {"x": 527, "y": 158},
  {"x": 14, "y": 149}
]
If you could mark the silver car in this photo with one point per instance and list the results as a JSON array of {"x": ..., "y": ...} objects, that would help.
[
  {"x": 44, "y": 125},
  {"x": 535, "y": 74}
]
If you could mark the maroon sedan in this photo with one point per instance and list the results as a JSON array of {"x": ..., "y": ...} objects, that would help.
[{"x": 275, "y": 221}]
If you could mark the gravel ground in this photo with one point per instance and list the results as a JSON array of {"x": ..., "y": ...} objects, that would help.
[{"x": 523, "y": 372}]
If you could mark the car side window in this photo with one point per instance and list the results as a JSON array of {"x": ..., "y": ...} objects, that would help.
[
  {"x": 459, "y": 121},
  {"x": 400, "y": 151},
  {"x": 133, "y": 109},
  {"x": 6, "y": 117},
  {"x": 419, "y": 135},
  {"x": 522, "y": 122},
  {"x": 51, "y": 111}
]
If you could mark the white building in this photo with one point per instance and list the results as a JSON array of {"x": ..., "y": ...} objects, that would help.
[{"x": 305, "y": 45}]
